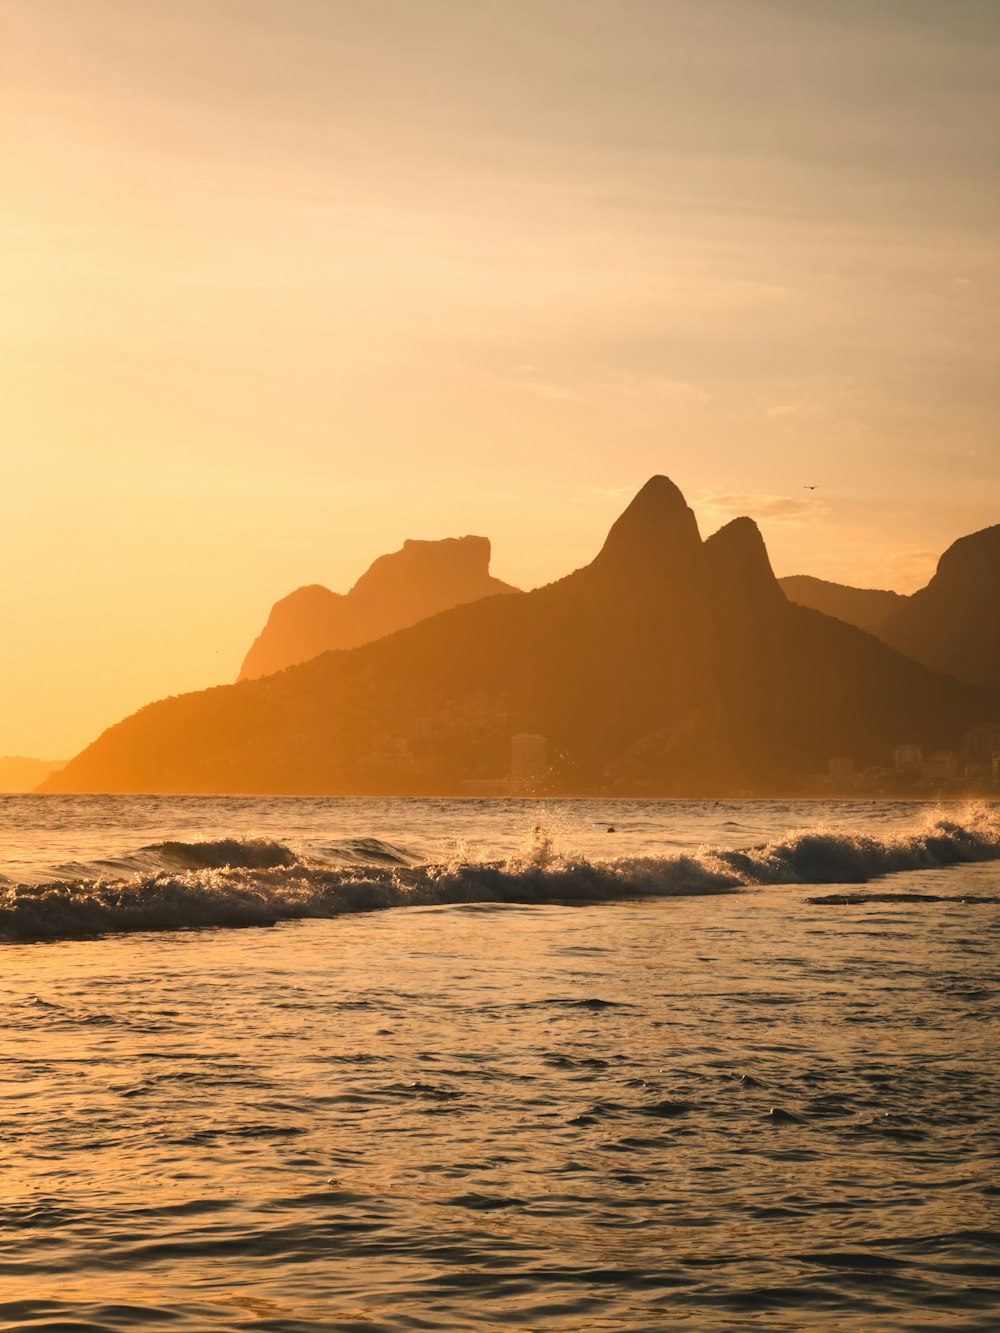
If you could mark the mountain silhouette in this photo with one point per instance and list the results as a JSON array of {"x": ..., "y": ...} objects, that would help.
[
  {"x": 953, "y": 624},
  {"x": 397, "y": 590},
  {"x": 865, "y": 607},
  {"x": 19, "y": 774},
  {"x": 668, "y": 665}
]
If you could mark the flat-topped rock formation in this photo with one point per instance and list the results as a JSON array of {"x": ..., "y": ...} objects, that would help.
[{"x": 397, "y": 590}]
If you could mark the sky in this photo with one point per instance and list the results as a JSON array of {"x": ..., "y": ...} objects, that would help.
[{"x": 285, "y": 282}]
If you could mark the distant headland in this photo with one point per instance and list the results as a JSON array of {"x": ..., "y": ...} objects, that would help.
[{"x": 20, "y": 774}]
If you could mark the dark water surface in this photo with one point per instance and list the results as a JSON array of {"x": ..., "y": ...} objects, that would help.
[{"x": 776, "y": 1107}]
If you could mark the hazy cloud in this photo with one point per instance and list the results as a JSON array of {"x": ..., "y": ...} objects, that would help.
[
  {"x": 606, "y": 494},
  {"x": 773, "y": 508},
  {"x": 616, "y": 391}
]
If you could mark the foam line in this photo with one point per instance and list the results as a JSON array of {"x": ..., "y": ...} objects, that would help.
[{"x": 259, "y": 882}]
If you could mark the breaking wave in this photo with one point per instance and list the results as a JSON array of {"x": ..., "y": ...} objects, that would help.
[
  {"x": 260, "y": 882},
  {"x": 264, "y": 854}
]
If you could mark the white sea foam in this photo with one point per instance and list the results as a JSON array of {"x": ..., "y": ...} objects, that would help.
[{"x": 259, "y": 881}]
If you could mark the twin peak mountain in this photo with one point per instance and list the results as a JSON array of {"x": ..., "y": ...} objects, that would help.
[{"x": 668, "y": 665}]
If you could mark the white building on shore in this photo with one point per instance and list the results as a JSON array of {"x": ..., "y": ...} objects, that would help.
[{"x": 907, "y": 757}]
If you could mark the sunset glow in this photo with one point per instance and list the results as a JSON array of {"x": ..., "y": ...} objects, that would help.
[
  {"x": 287, "y": 283},
  {"x": 500, "y": 665}
]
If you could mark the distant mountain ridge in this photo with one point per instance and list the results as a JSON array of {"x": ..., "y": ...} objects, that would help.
[
  {"x": 864, "y": 607},
  {"x": 668, "y": 665},
  {"x": 396, "y": 591},
  {"x": 952, "y": 625}
]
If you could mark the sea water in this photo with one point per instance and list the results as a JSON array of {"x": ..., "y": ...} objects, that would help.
[{"x": 565, "y": 1065}]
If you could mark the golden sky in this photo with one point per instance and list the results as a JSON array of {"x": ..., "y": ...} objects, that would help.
[{"x": 285, "y": 282}]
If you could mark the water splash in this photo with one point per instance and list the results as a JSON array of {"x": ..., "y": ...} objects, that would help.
[{"x": 257, "y": 881}]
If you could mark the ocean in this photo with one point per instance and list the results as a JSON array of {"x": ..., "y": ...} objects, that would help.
[{"x": 296, "y": 1064}]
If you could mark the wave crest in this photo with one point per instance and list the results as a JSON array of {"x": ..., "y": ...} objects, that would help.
[
  {"x": 247, "y": 853},
  {"x": 258, "y": 882}
]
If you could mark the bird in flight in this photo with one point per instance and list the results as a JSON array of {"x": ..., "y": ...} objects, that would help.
[{"x": 808, "y": 488}]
